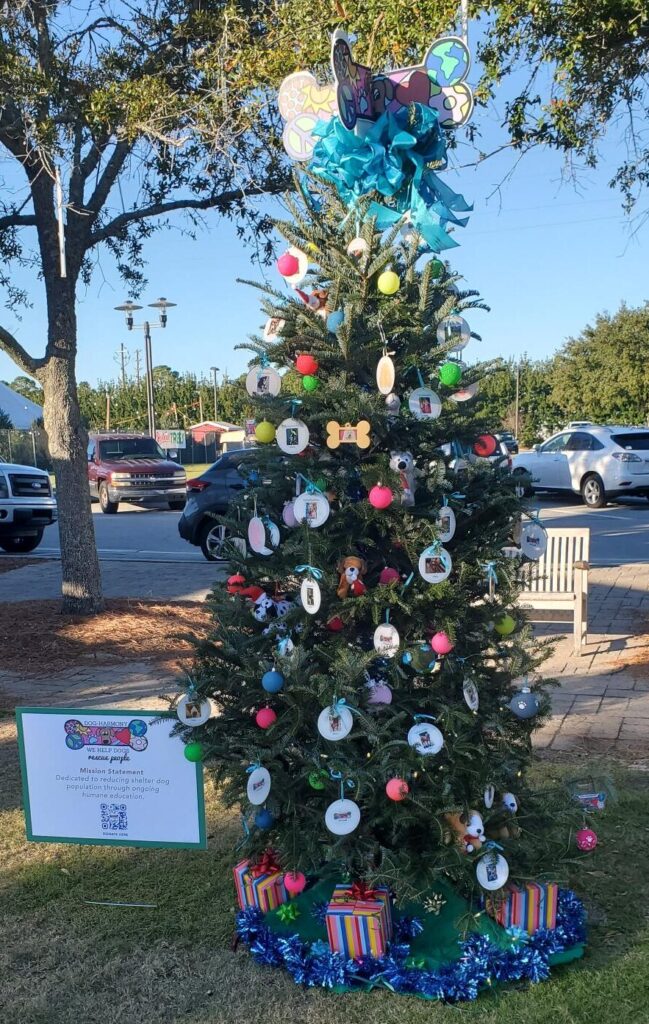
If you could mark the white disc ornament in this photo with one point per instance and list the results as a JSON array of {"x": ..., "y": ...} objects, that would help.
[
  {"x": 446, "y": 524},
  {"x": 357, "y": 247},
  {"x": 454, "y": 331},
  {"x": 312, "y": 508},
  {"x": 292, "y": 436},
  {"x": 425, "y": 738},
  {"x": 273, "y": 328},
  {"x": 310, "y": 595},
  {"x": 258, "y": 786},
  {"x": 262, "y": 530},
  {"x": 489, "y": 796},
  {"x": 465, "y": 394},
  {"x": 263, "y": 381},
  {"x": 424, "y": 404},
  {"x": 386, "y": 640},
  {"x": 303, "y": 266},
  {"x": 193, "y": 710},
  {"x": 435, "y": 564},
  {"x": 492, "y": 871},
  {"x": 335, "y": 722},
  {"x": 533, "y": 540},
  {"x": 385, "y": 375},
  {"x": 471, "y": 695},
  {"x": 342, "y": 817}
]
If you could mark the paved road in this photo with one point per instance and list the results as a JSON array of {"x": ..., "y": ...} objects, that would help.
[{"x": 619, "y": 533}]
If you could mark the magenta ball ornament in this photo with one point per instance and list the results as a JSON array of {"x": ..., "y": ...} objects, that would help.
[
  {"x": 265, "y": 717},
  {"x": 397, "y": 789},
  {"x": 288, "y": 265},
  {"x": 294, "y": 882},
  {"x": 380, "y": 496},
  {"x": 586, "y": 839},
  {"x": 441, "y": 643},
  {"x": 388, "y": 575}
]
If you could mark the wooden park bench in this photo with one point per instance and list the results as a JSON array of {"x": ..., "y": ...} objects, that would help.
[{"x": 555, "y": 589}]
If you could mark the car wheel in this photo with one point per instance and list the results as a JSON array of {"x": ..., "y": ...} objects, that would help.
[
  {"x": 105, "y": 504},
  {"x": 16, "y": 544},
  {"x": 517, "y": 474},
  {"x": 592, "y": 491},
  {"x": 176, "y": 506},
  {"x": 213, "y": 537}
]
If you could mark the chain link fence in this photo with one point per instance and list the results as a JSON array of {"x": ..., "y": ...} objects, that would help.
[{"x": 25, "y": 447}]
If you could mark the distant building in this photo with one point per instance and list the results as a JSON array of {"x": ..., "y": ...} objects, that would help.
[
  {"x": 218, "y": 433},
  {"x": 20, "y": 411}
]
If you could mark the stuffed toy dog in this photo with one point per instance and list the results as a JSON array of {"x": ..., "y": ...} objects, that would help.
[
  {"x": 404, "y": 464},
  {"x": 351, "y": 570}
]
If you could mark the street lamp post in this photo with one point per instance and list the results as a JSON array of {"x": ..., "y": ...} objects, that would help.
[
  {"x": 129, "y": 308},
  {"x": 214, "y": 371}
]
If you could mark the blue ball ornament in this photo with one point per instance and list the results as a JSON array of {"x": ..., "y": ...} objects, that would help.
[
  {"x": 272, "y": 681},
  {"x": 335, "y": 320},
  {"x": 264, "y": 819}
]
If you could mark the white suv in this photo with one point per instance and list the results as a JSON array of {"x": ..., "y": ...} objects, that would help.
[
  {"x": 27, "y": 506},
  {"x": 597, "y": 462}
]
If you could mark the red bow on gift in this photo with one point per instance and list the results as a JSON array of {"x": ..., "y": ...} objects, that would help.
[
  {"x": 360, "y": 891},
  {"x": 266, "y": 865}
]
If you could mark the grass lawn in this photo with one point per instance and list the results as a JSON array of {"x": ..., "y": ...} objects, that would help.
[{"x": 65, "y": 962}]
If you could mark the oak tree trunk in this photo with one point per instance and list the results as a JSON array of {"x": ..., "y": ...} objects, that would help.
[{"x": 68, "y": 442}]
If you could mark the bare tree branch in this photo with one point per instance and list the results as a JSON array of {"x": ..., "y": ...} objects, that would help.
[
  {"x": 20, "y": 356},
  {"x": 108, "y": 177},
  {"x": 18, "y": 220}
]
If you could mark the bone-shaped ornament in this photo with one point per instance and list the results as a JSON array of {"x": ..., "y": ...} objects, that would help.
[{"x": 348, "y": 434}]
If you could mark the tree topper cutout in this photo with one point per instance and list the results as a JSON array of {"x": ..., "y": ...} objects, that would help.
[
  {"x": 439, "y": 82},
  {"x": 348, "y": 434}
]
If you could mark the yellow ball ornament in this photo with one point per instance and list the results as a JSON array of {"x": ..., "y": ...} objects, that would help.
[
  {"x": 265, "y": 432},
  {"x": 506, "y": 625},
  {"x": 388, "y": 283}
]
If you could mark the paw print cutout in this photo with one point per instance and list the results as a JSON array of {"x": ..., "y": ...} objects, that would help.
[{"x": 302, "y": 103}]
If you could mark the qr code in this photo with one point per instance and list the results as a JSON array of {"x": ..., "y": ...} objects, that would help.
[{"x": 113, "y": 817}]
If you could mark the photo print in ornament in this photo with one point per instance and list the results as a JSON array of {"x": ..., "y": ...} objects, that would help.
[
  {"x": 533, "y": 539},
  {"x": 435, "y": 564},
  {"x": 342, "y": 817},
  {"x": 258, "y": 787},
  {"x": 310, "y": 595},
  {"x": 311, "y": 508},
  {"x": 492, "y": 871},
  {"x": 263, "y": 535},
  {"x": 385, "y": 375},
  {"x": 471, "y": 695},
  {"x": 273, "y": 328},
  {"x": 446, "y": 524},
  {"x": 424, "y": 404},
  {"x": 386, "y": 640},
  {"x": 193, "y": 710},
  {"x": 358, "y": 434},
  {"x": 425, "y": 738},
  {"x": 292, "y": 436},
  {"x": 263, "y": 382},
  {"x": 453, "y": 331},
  {"x": 335, "y": 722}
]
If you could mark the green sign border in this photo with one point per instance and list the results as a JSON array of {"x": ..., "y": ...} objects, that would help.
[{"x": 112, "y": 712}]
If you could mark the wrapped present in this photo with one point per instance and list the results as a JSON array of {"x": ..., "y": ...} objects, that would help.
[
  {"x": 529, "y": 907},
  {"x": 260, "y": 885},
  {"x": 359, "y": 920}
]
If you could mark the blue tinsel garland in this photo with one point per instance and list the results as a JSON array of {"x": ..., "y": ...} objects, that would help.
[{"x": 481, "y": 964}]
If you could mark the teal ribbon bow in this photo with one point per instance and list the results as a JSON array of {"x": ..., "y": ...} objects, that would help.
[
  {"x": 311, "y": 570},
  {"x": 490, "y": 572},
  {"x": 310, "y": 486},
  {"x": 420, "y": 718},
  {"x": 253, "y": 767},
  {"x": 395, "y": 158},
  {"x": 338, "y": 777}
]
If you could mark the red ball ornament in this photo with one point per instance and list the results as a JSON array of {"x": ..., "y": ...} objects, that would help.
[
  {"x": 397, "y": 789},
  {"x": 441, "y": 643},
  {"x": 306, "y": 364},
  {"x": 288, "y": 265},
  {"x": 388, "y": 575},
  {"x": 381, "y": 496},
  {"x": 335, "y": 625},
  {"x": 265, "y": 717},
  {"x": 586, "y": 839},
  {"x": 235, "y": 583},
  {"x": 295, "y": 882},
  {"x": 485, "y": 445}
]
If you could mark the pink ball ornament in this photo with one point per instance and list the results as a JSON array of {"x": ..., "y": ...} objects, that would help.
[
  {"x": 380, "y": 496},
  {"x": 586, "y": 839},
  {"x": 397, "y": 789},
  {"x": 265, "y": 717},
  {"x": 288, "y": 265},
  {"x": 388, "y": 575},
  {"x": 295, "y": 882},
  {"x": 441, "y": 643}
]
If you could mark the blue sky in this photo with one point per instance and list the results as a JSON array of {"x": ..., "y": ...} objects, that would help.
[{"x": 546, "y": 255}]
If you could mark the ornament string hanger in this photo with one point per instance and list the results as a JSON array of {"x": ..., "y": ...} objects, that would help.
[
  {"x": 384, "y": 340},
  {"x": 310, "y": 486},
  {"x": 339, "y": 777},
  {"x": 491, "y": 576},
  {"x": 420, "y": 379}
]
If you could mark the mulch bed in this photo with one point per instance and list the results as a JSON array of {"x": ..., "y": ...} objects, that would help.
[
  {"x": 36, "y": 638},
  {"x": 8, "y": 564}
]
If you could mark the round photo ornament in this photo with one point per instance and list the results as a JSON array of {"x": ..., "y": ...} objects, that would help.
[
  {"x": 258, "y": 786},
  {"x": 471, "y": 695},
  {"x": 342, "y": 817},
  {"x": 533, "y": 539},
  {"x": 263, "y": 382},
  {"x": 453, "y": 331},
  {"x": 335, "y": 722},
  {"x": 386, "y": 640},
  {"x": 292, "y": 436},
  {"x": 435, "y": 563},
  {"x": 446, "y": 524},
  {"x": 193, "y": 710},
  {"x": 310, "y": 595},
  {"x": 492, "y": 871},
  {"x": 312, "y": 508},
  {"x": 426, "y": 738},
  {"x": 424, "y": 404},
  {"x": 263, "y": 535}
]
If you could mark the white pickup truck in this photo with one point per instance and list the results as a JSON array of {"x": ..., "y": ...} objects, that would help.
[{"x": 27, "y": 506}]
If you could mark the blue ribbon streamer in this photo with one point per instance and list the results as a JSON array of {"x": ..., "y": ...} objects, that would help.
[
  {"x": 253, "y": 767},
  {"x": 311, "y": 570},
  {"x": 419, "y": 718},
  {"x": 310, "y": 486},
  {"x": 395, "y": 158},
  {"x": 338, "y": 777},
  {"x": 490, "y": 572}
]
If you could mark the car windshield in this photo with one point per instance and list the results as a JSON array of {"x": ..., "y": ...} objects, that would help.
[
  {"x": 130, "y": 448},
  {"x": 636, "y": 441}
]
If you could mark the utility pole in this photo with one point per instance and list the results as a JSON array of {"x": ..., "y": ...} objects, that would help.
[
  {"x": 138, "y": 356},
  {"x": 518, "y": 371},
  {"x": 122, "y": 354},
  {"x": 214, "y": 370},
  {"x": 108, "y": 410},
  {"x": 200, "y": 408},
  {"x": 128, "y": 308}
]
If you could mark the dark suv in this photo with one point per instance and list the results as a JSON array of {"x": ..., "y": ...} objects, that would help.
[
  {"x": 212, "y": 491},
  {"x": 132, "y": 467}
]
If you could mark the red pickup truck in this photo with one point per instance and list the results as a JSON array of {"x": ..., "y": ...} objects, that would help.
[{"x": 133, "y": 467}]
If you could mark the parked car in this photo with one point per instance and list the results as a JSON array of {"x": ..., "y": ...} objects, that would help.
[
  {"x": 212, "y": 491},
  {"x": 509, "y": 441},
  {"x": 598, "y": 462},
  {"x": 132, "y": 467},
  {"x": 27, "y": 506}
]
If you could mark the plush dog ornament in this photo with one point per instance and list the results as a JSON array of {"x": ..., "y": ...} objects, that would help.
[
  {"x": 404, "y": 464},
  {"x": 351, "y": 570},
  {"x": 467, "y": 828}
]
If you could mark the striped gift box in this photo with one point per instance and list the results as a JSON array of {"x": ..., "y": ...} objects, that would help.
[
  {"x": 265, "y": 892},
  {"x": 359, "y": 927},
  {"x": 530, "y": 907}
]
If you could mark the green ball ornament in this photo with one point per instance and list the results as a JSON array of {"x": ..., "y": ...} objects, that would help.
[
  {"x": 317, "y": 780},
  {"x": 436, "y": 269},
  {"x": 265, "y": 432},
  {"x": 450, "y": 374},
  {"x": 506, "y": 625},
  {"x": 321, "y": 483},
  {"x": 388, "y": 282},
  {"x": 310, "y": 383},
  {"x": 194, "y": 752}
]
